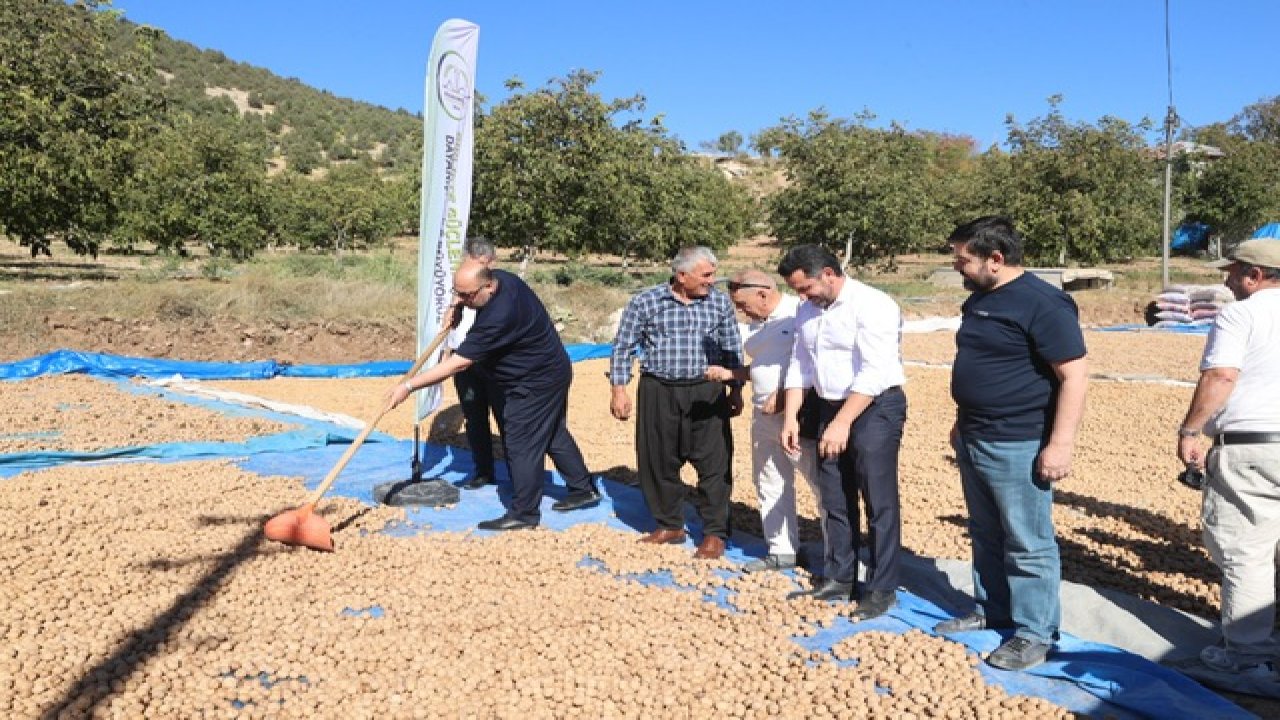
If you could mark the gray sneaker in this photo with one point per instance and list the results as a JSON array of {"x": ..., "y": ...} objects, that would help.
[
  {"x": 770, "y": 562},
  {"x": 1019, "y": 653},
  {"x": 964, "y": 623}
]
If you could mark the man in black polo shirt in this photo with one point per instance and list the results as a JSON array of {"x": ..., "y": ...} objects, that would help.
[
  {"x": 1019, "y": 381},
  {"x": 514, "y": 340}
]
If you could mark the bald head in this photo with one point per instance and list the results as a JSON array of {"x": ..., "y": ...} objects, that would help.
[
  {"x": 754, "y": 293},
  {"x": 474, "y": 283}
]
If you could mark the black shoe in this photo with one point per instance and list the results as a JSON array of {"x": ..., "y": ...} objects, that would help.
[
  {"x": 874, "y": 605},
  {"x": 506, "y": 522},
  {"x": 1019, "y": 653},
  {"x": 830, "y": 590},
  {"x": 964, "y": 623},
  {"x": 477, "y": 481},
  {"x": 577, "y": 501}
]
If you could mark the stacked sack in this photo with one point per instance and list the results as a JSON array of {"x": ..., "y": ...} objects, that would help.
[{"x": 1181, "y": 305}]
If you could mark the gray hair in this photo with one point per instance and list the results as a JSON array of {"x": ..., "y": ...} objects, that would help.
[
  {"x": 479, "y": 248},
  {"x": 690, "y": 256}
]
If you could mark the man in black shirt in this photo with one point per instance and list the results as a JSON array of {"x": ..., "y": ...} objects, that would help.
[
  {"x": 1019, "y": 382},
  {"x": 515, "y": 342}
]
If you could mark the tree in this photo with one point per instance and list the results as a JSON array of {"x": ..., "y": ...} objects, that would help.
[
  {"x": 1238, "y": 192},
  {"x": 198, "y": 180},
  {"x": 864, "y": 193},
  {"x": 351, "y": 207},
  {"x": 77, "y": 98},
  {"x": 562, "y": 169},
  {"x": 730, "y": 143},
  {"x": 1078, "y": 191}
]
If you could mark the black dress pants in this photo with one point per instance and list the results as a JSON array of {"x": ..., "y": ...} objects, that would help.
[
  {"x": 868, "y": 468},
  {"x": 476, "y": 395},
  {"x": 679, "y": 422},
  {"x": 534, "y": 427}
]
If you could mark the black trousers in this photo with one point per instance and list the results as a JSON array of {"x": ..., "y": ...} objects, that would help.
[
  {"x": 678, "y": 423},
  {"x": 476, "y": 395},
  {"x": 868, "y": 468},
  {"x": 534, "y": 427}
]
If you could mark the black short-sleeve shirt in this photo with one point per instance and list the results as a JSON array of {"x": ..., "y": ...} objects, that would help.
[
  {"x": 514, "y": 340},
  {"x": 1003, "y": 379}
]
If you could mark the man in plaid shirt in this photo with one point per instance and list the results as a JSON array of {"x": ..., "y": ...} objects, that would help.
[{"x": 678, "y": 329}]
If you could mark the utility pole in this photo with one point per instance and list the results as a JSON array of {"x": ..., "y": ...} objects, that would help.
[{"x": 1170, "y": 120}]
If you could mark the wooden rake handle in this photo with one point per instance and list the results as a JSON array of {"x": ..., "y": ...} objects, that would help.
[{"x": 368, "y": 428}]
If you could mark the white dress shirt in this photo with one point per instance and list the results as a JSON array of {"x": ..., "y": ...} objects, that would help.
[
  {"x": 852, "y": 346},
  {"x": 769, "y": 342}
]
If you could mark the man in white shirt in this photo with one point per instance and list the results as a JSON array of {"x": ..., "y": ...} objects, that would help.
[
  {"x": 1237, "y": 403},
  {"x": 848, "y": 352},
  {"x": 767, "y": 339}
]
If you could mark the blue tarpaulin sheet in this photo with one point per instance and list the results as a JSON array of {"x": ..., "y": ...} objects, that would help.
[
  {"x": 71, "y": 361},
  {"x": 1084, "y": 677}
]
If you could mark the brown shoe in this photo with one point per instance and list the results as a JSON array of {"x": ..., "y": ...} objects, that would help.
[
  {"x": 664, "y": 536},
  {"x": 712, "y": 548}
]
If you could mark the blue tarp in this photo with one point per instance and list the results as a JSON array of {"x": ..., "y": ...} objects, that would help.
[
  {"x": 71, "y": 361},
  {"x": 1190, "y": 238},
  {"x": 1270, "y": 230}
]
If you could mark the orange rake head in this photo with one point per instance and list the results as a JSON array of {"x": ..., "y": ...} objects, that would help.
[{"x": 300, "y": 527}]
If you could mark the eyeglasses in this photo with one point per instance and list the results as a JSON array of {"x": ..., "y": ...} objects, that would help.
[
  {"x": 736, "y": 286},
  {"x": 466, "y": 296}
]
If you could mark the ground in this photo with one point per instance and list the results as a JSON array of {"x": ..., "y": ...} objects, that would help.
[{"x": 1122, "y": 520}]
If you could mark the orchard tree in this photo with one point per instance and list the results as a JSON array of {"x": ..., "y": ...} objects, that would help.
[
  {"x": 77, "y": 97},
  {"x": 561, "y": 169},
  {"x": 199, "y": 180},
  {"x": 864, "y": 193},
  {"x": 1239, "y": 191},
  {"x": 351, "y": 207},
  {"x": 1079, "y": 192}
]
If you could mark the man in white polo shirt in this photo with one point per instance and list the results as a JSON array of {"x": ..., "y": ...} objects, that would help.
[
  {"x": 1237, "y": 404},
  {"x": 767, "y": 339}
]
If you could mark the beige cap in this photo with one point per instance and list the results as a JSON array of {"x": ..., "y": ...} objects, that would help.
[{"x": 1265, "y": 253}]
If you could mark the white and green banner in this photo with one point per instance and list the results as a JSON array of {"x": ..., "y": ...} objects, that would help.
[{"x": 446, "y": 180}]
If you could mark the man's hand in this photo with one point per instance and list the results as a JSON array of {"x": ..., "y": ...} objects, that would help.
[
  {"x": 620, "y": 403},
  {"x": 1054, "y": 462},
  {"x": 716, "y": 373},
  {"x": 1191, "y": 452},
  {"x": 453, "y": 316},
  {"x": 790, "y": 436},
  {"x": 834, "y": 440},
  {"x": 735, "y": 401},
  {"x": 770, "y": 405},
  {"x": 396, "y": 394}
]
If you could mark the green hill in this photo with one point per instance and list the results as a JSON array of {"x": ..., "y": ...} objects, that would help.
[{"x": 307, "y": 128}]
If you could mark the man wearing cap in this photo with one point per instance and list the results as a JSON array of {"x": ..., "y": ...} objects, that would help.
[
  {"x": 767, "y": 339},
  {"x": 1236, "y": 404}
]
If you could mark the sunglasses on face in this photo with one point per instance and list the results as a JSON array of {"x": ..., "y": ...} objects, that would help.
[{"x": 466, "y": 296}]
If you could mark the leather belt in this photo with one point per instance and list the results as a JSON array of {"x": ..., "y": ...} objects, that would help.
[{"x": 1246, "y": 438}]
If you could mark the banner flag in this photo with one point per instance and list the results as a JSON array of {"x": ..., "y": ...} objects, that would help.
[{"x": 446, "y": 180}]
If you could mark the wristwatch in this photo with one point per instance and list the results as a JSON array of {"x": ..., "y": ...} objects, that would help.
[{"x": 1187, "y": 432}]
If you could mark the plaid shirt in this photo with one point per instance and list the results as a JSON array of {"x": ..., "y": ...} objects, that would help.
[{"x": 675, "y": 341}]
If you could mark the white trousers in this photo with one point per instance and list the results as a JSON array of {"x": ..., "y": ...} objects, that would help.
[
  {"x": 1241, "y": 515},
  {"x": 775, "y": 476}
]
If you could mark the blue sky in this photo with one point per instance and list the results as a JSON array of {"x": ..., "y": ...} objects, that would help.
[{"x": 708, "y": 67}]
